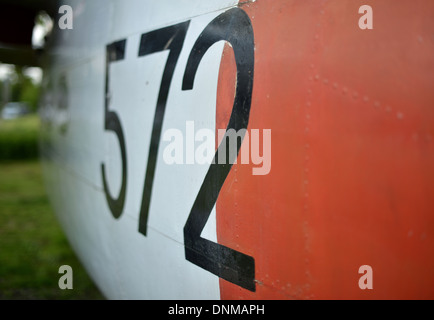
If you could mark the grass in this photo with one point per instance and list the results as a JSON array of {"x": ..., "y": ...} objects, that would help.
[
  {"x": 32, "y": 244},
  {"x": 19, "y": 138}
]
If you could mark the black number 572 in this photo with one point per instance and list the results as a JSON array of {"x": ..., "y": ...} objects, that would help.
[{"x": 233, "y": 26}]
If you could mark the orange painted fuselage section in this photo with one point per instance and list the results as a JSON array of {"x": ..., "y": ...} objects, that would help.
[{"x": 351, "y": 113}]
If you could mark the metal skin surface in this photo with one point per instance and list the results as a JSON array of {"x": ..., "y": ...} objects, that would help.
[
  {"x": 352, "y": 175},
  {"x": 352, "y": 152}
]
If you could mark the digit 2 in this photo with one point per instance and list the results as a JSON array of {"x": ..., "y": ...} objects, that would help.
[{"x": 233, "y": 26}]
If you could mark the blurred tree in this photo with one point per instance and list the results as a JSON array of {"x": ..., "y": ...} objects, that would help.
[{"x": 24, "y": 88}]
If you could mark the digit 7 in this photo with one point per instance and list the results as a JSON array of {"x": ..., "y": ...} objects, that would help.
[{"x": 169, "y": 38}]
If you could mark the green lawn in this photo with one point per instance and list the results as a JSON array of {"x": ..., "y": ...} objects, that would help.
[
  {"x": 19, "y": 138},
  {"x": 32, "y": 245}
]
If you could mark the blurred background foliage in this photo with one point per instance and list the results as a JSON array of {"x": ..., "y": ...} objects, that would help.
[
  {"x": 22, "y": 87},
  {"x": 32, "y": 244},
  {"x": 19, "y": 138}
]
